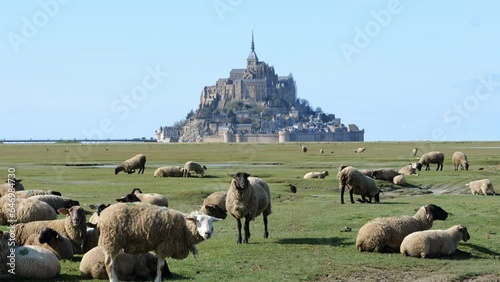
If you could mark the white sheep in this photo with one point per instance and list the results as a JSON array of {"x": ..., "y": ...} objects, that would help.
[
  {"x": 215, "y": 205},
  {"x": 316, "y": 174},
  {"x": 414, "y": 151},
  {"x": 359, "y": 151},
  {"x": 52, "y": 241},
  {"x": 145, "y": 228},
  {"x": 481, "y": 186},
  {"x": 169, "y": 171},
  {"x": 431, "y": 158},
  {"x": 129, "y": 166},
  {"x": 386, "y": 174},
  {"x": 24, "y": 210},
  {"x": 11, "y": 185},
  {"x": 358, "y": 184},
  {"x": 146, "y": 198},
  {"x": 399, "y": 180},
  {"x": 459, "y": 159},
  {"x": 247, "y": 198},
  {"x": 409, "y": 169},
  {"x": 434, "y": 243},
  {"x": 190, "y": 167},
  {"x": 56, "y": 202},
  {"x": 31, "y": 193},
  {"x": 128, "y": 267},
  {"x": 386, "y": 233}
]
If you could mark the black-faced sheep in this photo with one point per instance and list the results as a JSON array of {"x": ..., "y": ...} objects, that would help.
[
  {"x": 11, "y": 185},
  {"x": 215, "y": 205},
  {"x": 31, "y": 193},
  {"x": 52, "y": 241},
  {"x": 316, "y": 174},
  {"x": 190, "y": 167},
  {"x": 434, "y": 243},
  {"x": 304, "y": 149},
  {"x": 247, "y": 198},
  {"x": 144, "y": 228},
  {"x": 56, "y": 202},
  {"x": 431, "y": 158},
  {"x": 385, "y": 234},
  {"x": 459, "y": 159},
  {"x": 414, "y": 151},
  {"x": 169, "y": 171},
  {"x": 129, "y": 166},
  {"x": 482, "y": 186},
  {"x": 26, "y": 210},
  {"x": 146, "y": 198},
  {"x": 358, "y": 184}
]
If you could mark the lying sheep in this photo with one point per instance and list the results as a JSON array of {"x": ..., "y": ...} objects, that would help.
[
  {"x": 128, "y": 267},
  {"x": 215, "y": 205},
  {"x": 358, "y": 184},
  {"x": 129, "y": 166},
  {"x": 385, "y": 234},
  {"x": 10, "y": 184},
  {"x": 31, "y": 193},
  {"x": 359, "y": 151},
  {"x": 482, "y": 186},
  {"x": 316, "y": 174},
  {"x": 56, "y": 202},
  {"x": 399, "y": 180},
  {"x": 26, "y": 210},
  {"x": 52, "y": 241},
  {"x": 195, "y": 167},
  {"x": 145, "y": 228},
  {"x": 410, "y": 169},
  {"x": 414, "y": 151},
  {"x": 431, "y": 158},
  {"x": 459, "y": 159},
  {"x": 434, "y": 243},
  {"x": 94, "y": 218},
  {"x": 386, "y": 174},
  {"x": 247, "y": 198},
  {"x": 169, "y": 171},
  {"x": 148, "y": 198}
]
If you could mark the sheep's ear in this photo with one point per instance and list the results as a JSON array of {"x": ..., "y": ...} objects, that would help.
[{"x": 63, "y": 210}]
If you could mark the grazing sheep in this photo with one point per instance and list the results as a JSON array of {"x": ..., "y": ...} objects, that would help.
[
  {"x": 304, "y": 149},
  {"x": 247, "y": 198},
  {"x": 316, "y": 174},
  {"x": 129, "y": 166},
  {"x": 31, "y": 193},
  {"x": 359, "y": 151},
  {"x": 145, "y": 228},
  {"x": 169, "y": 171},
  {"x": 72, "y": 227},
  {"x": 434, "y": 243},
  {"x": 386, "y": 233},
  {"x": 482, "y": 186},
  {"x": 215, "y": 205},
  {"x": 56, "y": 202},
  {"x": 386, "y": 174},
  {"x": 358, "y": 184},
  {"x": 414, "y": 151},
  {"x": 431, "y": 158},
  {"x": 410, "y": 169},
  {"x": 52, "y": 241},
  {"x": 26, "y": 210},
  {"x": 399, "y": 180},
  {"x": 148, "y": 198},
  {"x": 195, "y": 167},
  {"x": 12, "y": 185},
  {"x": 459, "y": 159}
]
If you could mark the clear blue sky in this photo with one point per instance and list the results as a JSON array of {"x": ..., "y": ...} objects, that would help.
[{"x": 402, "y": 70}]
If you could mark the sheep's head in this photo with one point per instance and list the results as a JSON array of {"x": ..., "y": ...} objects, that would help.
[
  {"x": 76, "y": 214},
  {"x": 60, "y": 244},
  {"x": 52, "y": 192},
  {"x": 240, "y": 180},
  {"x": 136, "y": 190},
  {"x": 204, "y": 223},
  {"x": 466, "y": 166},
  {"x": 436, "y": 212},
  {"x": 71, "y": 203},
  {"x": 419, "y": 166},
  {"x": 99, "y": 208},
  {"x": 215, "y": 211},
  {"x": 465, "y": 233},
  {"x": 13, "y": 182},
  {"x": 130, "y": 198},
  {"x": 118, "y": 169}
]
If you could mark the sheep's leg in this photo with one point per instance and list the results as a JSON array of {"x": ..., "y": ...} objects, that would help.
[
  {"x": 351, "y": 192},
  {"x": 247, "y": 230},
  {"x": 266, "y": 233},
  {"x": 239, "y": 230},
  {"x": 159, "y": 268},
  {"x": 109, "y": 262},
  {"x": 342, "y": 194}
]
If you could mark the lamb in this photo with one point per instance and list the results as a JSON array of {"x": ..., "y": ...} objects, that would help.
[
  {"x": 358, "y": 184},
  {"x": 52, "y": 241},
  {"x": 26, "y": 210},
  {"x": 385, "y": 234},
  {"x": 459, "y": 159},
  {"x": 483, "y": 186},
  {"x": 56, "y": 202},
  {"x": 410, "y": 169},
  {"x": 10, "y": 184},
  {"x": 195, "y": 167},
  {"x": 72, "y": 227},
  {"x": 215, "y": 205},
  {"x": 359, "y": 151},
  {"x": 128, "y": 267},
  {"x": 247, "y": 198},
  {"x": 129, "y": 166},
  {"x": 169, "y": 171},
  {"x": 431, "y": 158},
  {"x": 434, "y": 243},
  {"x": 144, "y": 228},
  {"x": 316, "y": 174},
  {"x": 386, "y": 174},
  {"x": 31, "y": 193},
  {"x": 399, "y": 180},
  {"x": 414, "y": 151},
  {"x": 149, "y": 198}
]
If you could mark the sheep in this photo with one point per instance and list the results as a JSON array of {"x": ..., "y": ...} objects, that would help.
[
  {"x": 169, "y": 171},
  {"x": 26, "y": 210},
  {"x": 358, "y": 184},
  {"x": 98, "y": 209},
  {"x": 190, "y": 167},
  {"x": 399, "y": 180},
  {"x": 304, "y": 149},
  {"x": 215, "y": 205},
  {"x": 359, "y": 151},
  {"x": 459, "y": 159},
  {"x": 316, "y": 174},
  {"x": 144, "y": 228},
  {"x": 409, "y": 169},
  {"x": 72, "y": 227},
  {"x": 31, "y": 193},
  {"x": 483, "y": 186},
  {"x": 414, "y": 151},
  {"x": 247, "y": 198},
  {"x": 129, "y": 166},
  {"x": 128, "y": 267},
  {"x": 431, "y": 158},
  {"x": 367, "y": 172},
  {"x": 434, "y": 243},
  {"x": 321, "y": 151},
  {"x": 52, "y": 241},
  {"x": 56, "y": 202},
  {"x": 149, "y": 198},
  {"x": 12, "y": 185},
  {"x": 386, "y": 174},
  {"x": 385, "y": 234}
]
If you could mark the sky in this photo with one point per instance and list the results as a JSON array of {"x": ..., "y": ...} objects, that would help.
[{"x": 401, "y": 70}]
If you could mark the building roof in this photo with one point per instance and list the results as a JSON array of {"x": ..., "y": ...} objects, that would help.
[{"x": 237, "y": 71}]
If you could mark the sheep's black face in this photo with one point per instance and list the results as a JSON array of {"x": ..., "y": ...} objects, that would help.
[
  {"x": 100, "y": 208},
  {"x": 118, "y": 169},
  {"x": 216, "y": 211},
  {"x": 437, "y": 212},
  {"x": 241, "y": 180},
  {"x": 466, "y": 166},
  {"x": 46, "y": 235},
  {"x": 465, "y": 233},
  {"x": 377, "y": 197},
  {"x": 77, "y": 215},
  {"x": 419, "y": 166},
  {"x": 130, "y": 198}
]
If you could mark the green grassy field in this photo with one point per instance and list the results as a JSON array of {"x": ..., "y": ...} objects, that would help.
[{"x": 305, "y": 242}]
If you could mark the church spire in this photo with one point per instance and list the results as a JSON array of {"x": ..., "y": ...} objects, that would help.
[
  {"x": 252, "y": 57},
  {"x": 253, "y": 46}
]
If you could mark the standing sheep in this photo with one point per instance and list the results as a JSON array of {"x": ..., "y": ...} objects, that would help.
[
  {"x": 358, "y": 184},
  {"x": 431, "y": 158},
  {"x": 169, "y": 171},
  {"x": 26, "y": 210},
  {"x": 147, "y": 198},
  {"x": 359, "y": 151},
  {"x": 414, "y": 151},
  {"x": 129, "y": 166},
  {"x": 190, "y": 167},
  {"x": 386, "y": 233},
  {"x": 482, "y": 186},
  {"x": 12, "y": 183},
  {"x": 434, "y": 243},
  {"x": 316, "y": 174},
  {"x": 215, "y": 205},
  {"x": 459, "y": 159},
  {"x": 247, "y": 198},
  {"x": 144, "y": 228}
]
